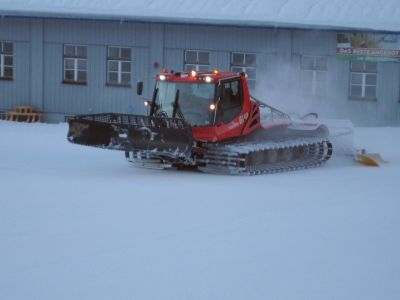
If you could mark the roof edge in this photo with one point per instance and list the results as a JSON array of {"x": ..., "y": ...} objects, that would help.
[{"x": 191, "y": 21}]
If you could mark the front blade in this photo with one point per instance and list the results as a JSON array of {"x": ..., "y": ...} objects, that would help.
[
  {"x": 167, "y": 136},
  {"x": 90, "y": 133}
]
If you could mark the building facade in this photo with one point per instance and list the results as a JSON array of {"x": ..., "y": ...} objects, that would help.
[{"x": 70, "y": 66}]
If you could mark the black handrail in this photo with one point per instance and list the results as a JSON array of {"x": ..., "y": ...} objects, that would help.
[{"x": 281, "y": 114}]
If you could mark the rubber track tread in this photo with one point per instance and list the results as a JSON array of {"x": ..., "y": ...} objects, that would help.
[{"x": 236, "y": 159}]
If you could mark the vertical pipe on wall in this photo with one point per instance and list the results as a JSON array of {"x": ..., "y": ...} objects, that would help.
[{"x": 36, "y": 64}]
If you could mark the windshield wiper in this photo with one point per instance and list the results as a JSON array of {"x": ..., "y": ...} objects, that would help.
[
  {"x": 177, "y": 108},
  {"x": 153, "y": 102}
]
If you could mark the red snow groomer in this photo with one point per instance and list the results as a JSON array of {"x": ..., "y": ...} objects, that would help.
[{"x": 208, "y": 121}]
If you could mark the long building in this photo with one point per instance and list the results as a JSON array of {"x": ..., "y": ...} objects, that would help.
[{"x": 75, "y": 58}]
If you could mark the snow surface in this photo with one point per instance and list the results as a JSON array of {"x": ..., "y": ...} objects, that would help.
[
  {"x": 343, "y": 14},
  {"x": 81, "y": 223}
]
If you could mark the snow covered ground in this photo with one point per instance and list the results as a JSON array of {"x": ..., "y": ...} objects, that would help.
[{"x": 81, "y": 223}]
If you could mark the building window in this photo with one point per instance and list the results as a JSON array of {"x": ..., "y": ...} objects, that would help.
[
  {"x": 197, "y": 60},
  {"x": 363, "y": 78},
  {"x": 119, "y": 65},
  {"x": 6, "y": 60},
  {"x": 245, "y": 62},
  {"x": 75, "y": 64},
  {"x": 314, "y": 71}
]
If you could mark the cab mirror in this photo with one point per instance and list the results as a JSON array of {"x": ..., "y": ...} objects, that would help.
[{"x": 139, "y": 88}]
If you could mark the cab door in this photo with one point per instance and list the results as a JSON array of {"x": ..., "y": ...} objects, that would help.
[{"x": 229, "y": 108}]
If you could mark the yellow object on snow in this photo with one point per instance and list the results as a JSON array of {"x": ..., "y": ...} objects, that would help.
[{"x": 369, "y": 159}]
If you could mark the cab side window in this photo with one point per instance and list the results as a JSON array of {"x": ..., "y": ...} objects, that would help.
[{"x": 231, "y": 101}]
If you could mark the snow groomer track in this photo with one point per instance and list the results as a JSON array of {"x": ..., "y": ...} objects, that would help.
[{"x": 265, "y": 158}]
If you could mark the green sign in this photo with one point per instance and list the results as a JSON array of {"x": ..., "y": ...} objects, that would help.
[{"x": 368, "y": 46}]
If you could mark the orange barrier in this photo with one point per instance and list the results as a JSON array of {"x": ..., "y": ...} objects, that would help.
[{"x": 23, "y": 114}]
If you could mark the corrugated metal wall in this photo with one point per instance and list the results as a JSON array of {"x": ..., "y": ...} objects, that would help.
[
  {"x": 38, "y": 61},
  {"x": 96, "y": 96},
  {"x": 16, "y": 92}
]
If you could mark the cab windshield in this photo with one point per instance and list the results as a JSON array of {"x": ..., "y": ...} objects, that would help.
[{"x": 194, "y": 101}]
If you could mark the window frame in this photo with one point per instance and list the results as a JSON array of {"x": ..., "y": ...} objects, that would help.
[
  {"x": 119, "y": 60},
  {"x": 3, "y": 55},
  {"x": 364, "y": 73},
  {"x": 315, "y": 71},
  {"x": 75, "y": 58},
  {"x": 237, "y": 68},
  {"x": 198, "y": 66},
  {"x": 235, "y": 108}
]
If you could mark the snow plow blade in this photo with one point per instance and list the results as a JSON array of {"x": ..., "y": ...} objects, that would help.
[{"x": 167, "y": 136}]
